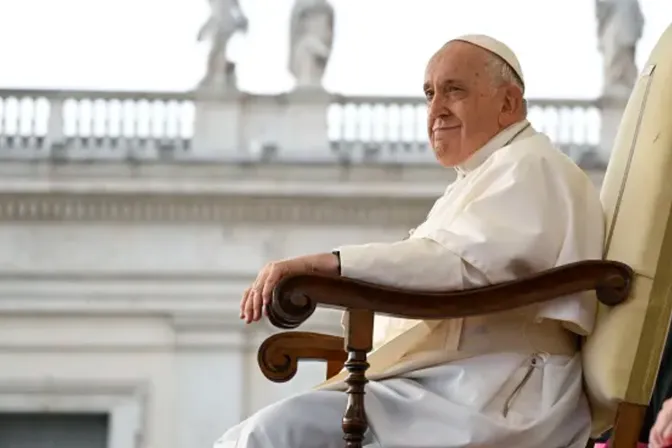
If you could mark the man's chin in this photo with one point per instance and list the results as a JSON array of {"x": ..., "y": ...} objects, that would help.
[
  {"x": 445, "y": 156},
  {"x": 445, "y": 160}
]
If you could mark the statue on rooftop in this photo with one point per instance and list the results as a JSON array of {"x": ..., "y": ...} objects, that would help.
[
  {"x": 226, "y": 19},
  {"x": 311, "y": 41},
  {"x": 619, "y": 28}
]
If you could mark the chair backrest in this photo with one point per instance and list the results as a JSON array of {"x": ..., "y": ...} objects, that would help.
[{"x": 621, "y": 358}]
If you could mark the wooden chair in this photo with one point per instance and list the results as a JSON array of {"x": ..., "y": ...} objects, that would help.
[{"x": 633, "y": 284}]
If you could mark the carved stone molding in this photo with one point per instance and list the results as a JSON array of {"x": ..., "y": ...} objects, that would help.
[
  {"x": 201, "y": 311},
  {"x": 22, "y": 207}
]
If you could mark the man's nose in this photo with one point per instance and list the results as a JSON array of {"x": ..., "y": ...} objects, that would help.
[{"x": 437, "y": 109}]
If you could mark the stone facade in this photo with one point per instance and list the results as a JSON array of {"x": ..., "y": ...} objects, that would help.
[
  {"x": 127, "y": 244},
  {"x": 121, "y": 284}
]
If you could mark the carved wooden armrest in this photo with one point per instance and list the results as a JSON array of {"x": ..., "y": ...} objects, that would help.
[
  {"x": 295, "y": 298},
  {"x": 278, "y": 355}
]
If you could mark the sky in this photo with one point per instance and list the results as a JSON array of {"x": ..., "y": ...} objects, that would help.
[{"x": 381, "y": 46}]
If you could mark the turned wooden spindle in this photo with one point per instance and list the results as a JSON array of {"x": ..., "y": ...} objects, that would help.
[
  {"x": 354, "y": 420},
  {"x": 358, "y": 342}
]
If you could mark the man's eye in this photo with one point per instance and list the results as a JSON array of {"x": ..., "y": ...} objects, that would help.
[{"x": 429, "y": 95}]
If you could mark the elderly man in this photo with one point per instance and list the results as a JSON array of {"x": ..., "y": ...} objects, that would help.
[{"x": 518, "y": 206}]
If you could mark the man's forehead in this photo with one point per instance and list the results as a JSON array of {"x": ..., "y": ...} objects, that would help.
[{"x": 456, "y": 57}]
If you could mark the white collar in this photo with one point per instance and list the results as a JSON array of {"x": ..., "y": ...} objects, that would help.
[{"x": 504, "y": 138}]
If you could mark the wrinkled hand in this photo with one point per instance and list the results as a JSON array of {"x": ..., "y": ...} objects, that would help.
[
  {"x": 258, "y": 296},
  {"x": 661, "y": 433}
]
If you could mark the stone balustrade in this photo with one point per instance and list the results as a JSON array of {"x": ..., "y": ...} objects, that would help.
[
  {"x": 239, "y": 127},
  {"x": 77, "y": 124},
  {"x": 394, "y": 129}
]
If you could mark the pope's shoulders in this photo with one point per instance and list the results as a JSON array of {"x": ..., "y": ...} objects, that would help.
[{"x": 535, "y": 155}]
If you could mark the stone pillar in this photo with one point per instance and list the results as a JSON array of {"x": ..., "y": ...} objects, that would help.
[
  {"x": 217, "y": 125},
  {"x": 304, "y": 134}
]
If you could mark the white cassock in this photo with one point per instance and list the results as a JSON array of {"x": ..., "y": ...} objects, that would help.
[{"x": 508, "y": 380}]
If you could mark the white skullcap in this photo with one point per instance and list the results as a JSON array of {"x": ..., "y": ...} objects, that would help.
[{"x": 496, "y": 47}]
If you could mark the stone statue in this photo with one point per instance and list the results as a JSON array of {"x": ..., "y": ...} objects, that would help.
[
  {"x": 226, "y": 18},
  {"x": 619, "y": 28},
  {"x": 311, "y": 41}
]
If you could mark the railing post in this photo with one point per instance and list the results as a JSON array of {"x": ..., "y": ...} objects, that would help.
[
  {"x": 55, "y": 124},
  {"x": 305, "y": 134},
  {"x": 218, "y": 125}
]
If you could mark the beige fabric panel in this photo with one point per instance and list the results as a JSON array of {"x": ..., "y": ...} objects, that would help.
[{"x": 621, "y": 357}]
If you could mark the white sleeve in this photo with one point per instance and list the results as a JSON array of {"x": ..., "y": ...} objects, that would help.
[
  {"x": 418, "y": 263},
  {"x": 515, "y": 227}
]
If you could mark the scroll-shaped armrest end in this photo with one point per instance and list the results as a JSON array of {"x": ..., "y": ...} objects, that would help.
[
  {"x": 290, "y": 307},
  {"x": 295, "y": 298},
  {"x": 614, "y": 288},
  {"x": 279, "y": 354}
]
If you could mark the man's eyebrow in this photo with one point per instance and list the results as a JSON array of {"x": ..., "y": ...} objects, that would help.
[
  {"x": 451, "y": 81},
  {"x": 426, "y": 86}
]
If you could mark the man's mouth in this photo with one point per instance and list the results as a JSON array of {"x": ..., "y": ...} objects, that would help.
[{"x": 444, "y": 128}]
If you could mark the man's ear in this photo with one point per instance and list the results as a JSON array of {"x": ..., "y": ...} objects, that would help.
[{"x": 514, "y": 104}]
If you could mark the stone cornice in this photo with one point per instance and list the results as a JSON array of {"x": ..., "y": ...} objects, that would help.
[
  {"x": 403, "y": 202},
  {"x": 198, "y": 299},
  {"x": 211, "y": 208},
  {"x": 173, "y": 193},
  {"x": 202, "y": 309},
  {"x": 206, "y": 297},
  {"x": 49, "y": 386}
]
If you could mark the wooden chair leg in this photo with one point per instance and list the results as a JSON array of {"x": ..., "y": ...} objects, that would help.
[
  {"x": 629, "y": 420},
  {"x": 358, "y": 342},
  {"x": 354, "y": 421}
]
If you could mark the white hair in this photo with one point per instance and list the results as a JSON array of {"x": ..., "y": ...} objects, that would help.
[{"x": 501, "y": 73}]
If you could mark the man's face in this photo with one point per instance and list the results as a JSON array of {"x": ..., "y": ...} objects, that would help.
[{"x": 464, "y": 109}]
